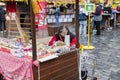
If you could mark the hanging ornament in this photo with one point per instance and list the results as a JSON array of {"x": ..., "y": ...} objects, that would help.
[{"x": 11, "y": 6}]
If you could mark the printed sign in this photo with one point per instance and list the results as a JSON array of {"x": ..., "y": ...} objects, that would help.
[{"x": 89, "y": 7}]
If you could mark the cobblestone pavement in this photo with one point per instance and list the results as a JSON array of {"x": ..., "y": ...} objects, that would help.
[
  {"x": 106, "y": 55},
  {"x": 104, "y": 60}
]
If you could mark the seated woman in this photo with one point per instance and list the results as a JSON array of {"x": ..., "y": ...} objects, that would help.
[{"x": 60, "y": 35}]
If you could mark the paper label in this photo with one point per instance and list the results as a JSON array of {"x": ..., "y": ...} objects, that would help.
[{"x": 67, "y": 40}]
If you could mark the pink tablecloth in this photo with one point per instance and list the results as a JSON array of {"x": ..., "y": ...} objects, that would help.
[{"x": 15, "y": 68}]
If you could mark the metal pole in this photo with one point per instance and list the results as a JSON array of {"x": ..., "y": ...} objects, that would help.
[
  {"x": 77, "y": 23},
  {"x": 88, "y": 29}
]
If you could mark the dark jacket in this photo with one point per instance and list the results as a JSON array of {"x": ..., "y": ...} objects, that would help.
[
  {"x": 2, "y": 14},
  {"x": 62, "y": 8},
  {"x": 98, "y": 10},
  {"x": 82, "y": 17},
  {"x": 57, "y": 12},
  {"x": 107, "y": 10},
  {"x": 97, "y": 14},
  {"x": 118, "y": 8}
]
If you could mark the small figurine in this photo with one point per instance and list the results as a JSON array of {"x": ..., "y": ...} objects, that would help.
[{"x": 18, "y": 42}]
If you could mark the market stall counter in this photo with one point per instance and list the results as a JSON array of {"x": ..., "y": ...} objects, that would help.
[
  {"x": 118, "y": 18},
  {"x": 58, "y": 62},
  {"x": 64, "y": 67},
  {"x": 106, "y": 16}
]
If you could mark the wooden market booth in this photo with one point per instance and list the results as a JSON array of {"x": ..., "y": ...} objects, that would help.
[{"x": 65, "y": 67}]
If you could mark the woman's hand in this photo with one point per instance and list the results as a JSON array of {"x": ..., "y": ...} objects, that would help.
[{"x": 59, "y": 43}]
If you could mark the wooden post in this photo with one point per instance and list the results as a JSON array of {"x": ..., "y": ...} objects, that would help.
[
  {"x": 33, "y": 29},
  {"x": 77, "y": 23}
]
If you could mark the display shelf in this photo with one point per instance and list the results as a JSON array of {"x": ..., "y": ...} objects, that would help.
[{"x": 62, "y": 18}]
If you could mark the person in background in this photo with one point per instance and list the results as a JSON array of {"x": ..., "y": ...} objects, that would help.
[
  {"x": 68, "y": 5},
  {"x": 62, "y": 8},
  {"x": 2, "y": 20},
  {"x": 82, "y": 21},
  {"x": 107, "y": 10},
  {"x": 112, "y": 19},
  {"x": 98, "y": 18},
  {"x": 57, "y": 13},
  {"x": 118, "y": 8},
  {"x": 60, "y": 36}
]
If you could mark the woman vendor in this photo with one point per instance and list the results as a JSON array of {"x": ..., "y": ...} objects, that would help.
[{"x": 60, "y": 35}]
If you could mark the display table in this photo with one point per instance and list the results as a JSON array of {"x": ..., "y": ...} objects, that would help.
[
  {"x": 105, "y": 17},
  {"x": 65, "y": 67},
  {"x": 15, "y": 68}
]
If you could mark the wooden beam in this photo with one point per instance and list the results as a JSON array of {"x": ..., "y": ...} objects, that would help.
[
  {"x": 33, "y": 30},
  {"x": 77, "y": 23}
]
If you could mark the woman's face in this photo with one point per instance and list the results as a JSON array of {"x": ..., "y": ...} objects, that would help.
[{"x": 64, "y": 32}]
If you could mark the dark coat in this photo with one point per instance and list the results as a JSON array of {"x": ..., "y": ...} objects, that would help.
[
  {"x": 108, "y": 10},
  {"x": 98, "y": 10},
  {"x": 2, "y": 14},
  {"x": 118, "y": 8},
  {"x": 82, "y": 17}
]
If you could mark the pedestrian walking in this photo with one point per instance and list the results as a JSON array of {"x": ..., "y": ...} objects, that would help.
[
  {"x": 107, "y": 10},
  {"x": 98, "y": 18},
  {"x": 112, "y": 17},
  {"x": 83, "y": 21},
  {"x": 57, "y": 13},
  {"x": 2, "y": 20}
]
